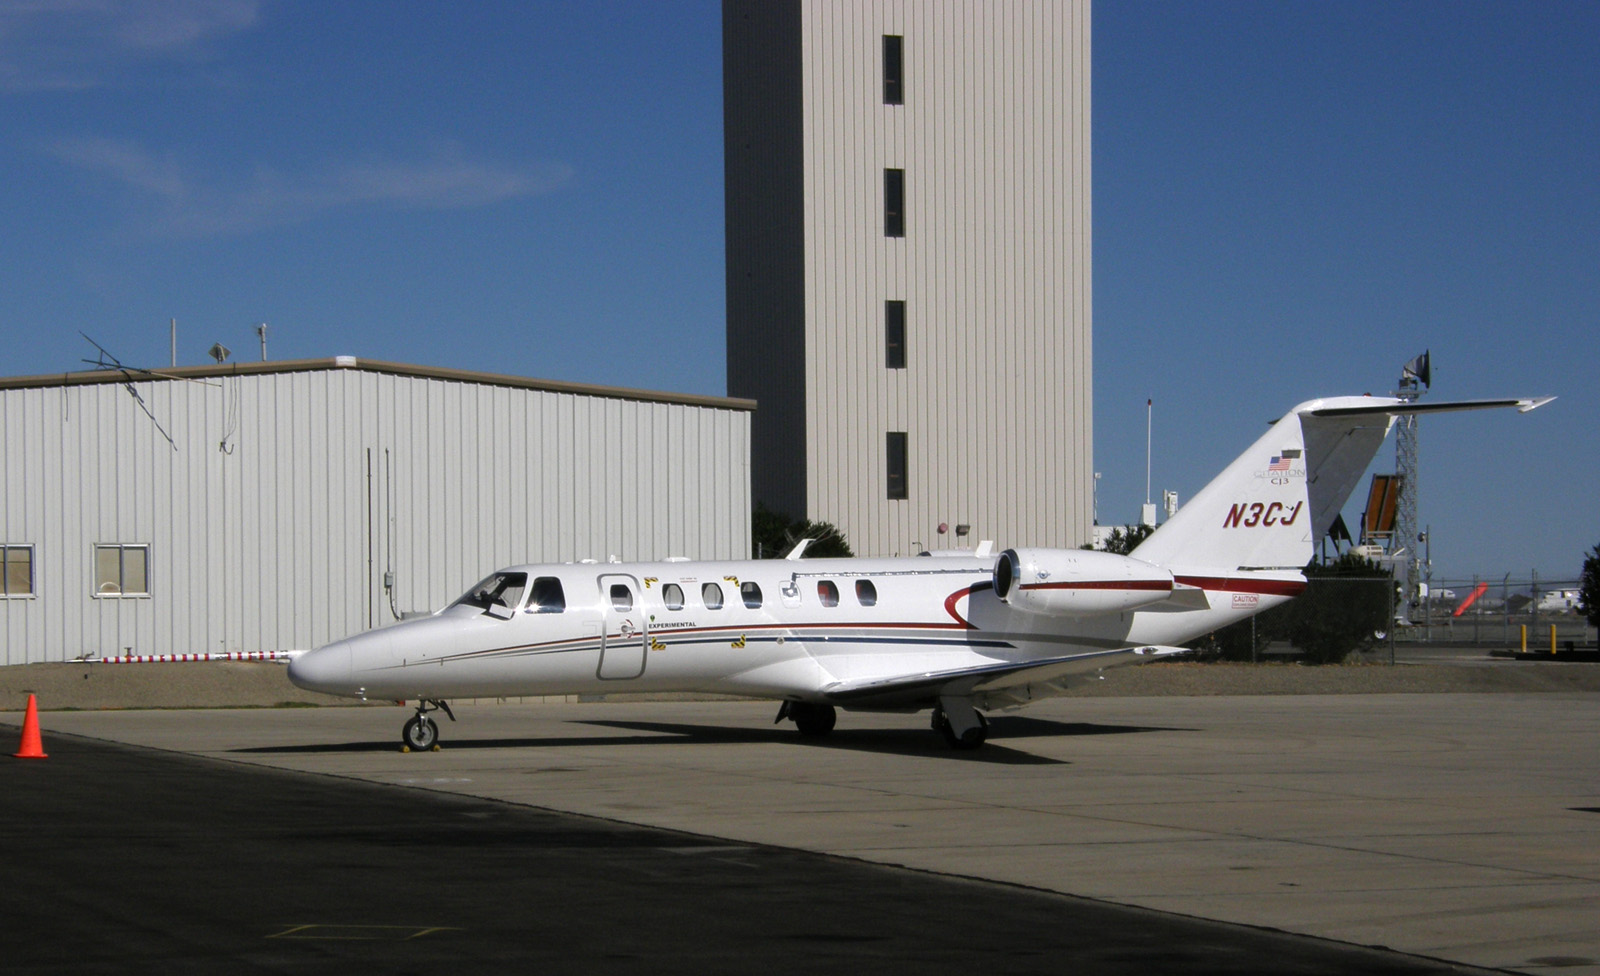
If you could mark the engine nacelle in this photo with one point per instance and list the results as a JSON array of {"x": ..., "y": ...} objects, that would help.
[{"x": 1077, "y": 582}]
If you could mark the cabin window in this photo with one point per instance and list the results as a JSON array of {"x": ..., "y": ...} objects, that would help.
[
  {"x": 621, "y": 598},
  {"x": 866, "y": 593},
  {"x": 18, "y": 577},
  {"x": 827, "y": 593},
  {"x": 672, "y": 596},
  {"x": 711, "y": 596},
  {"x": 751, "y": 594},
  {"x": 496, "y": 590},
  {"x": 548, "y": 596}
]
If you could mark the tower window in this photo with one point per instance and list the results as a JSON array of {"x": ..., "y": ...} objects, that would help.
[
  {"x": 897, "y": 464},
  {"x": 894, "y": 334},
  {"x": 893, "y": 69},
  {"x": 894, "y": 203}
]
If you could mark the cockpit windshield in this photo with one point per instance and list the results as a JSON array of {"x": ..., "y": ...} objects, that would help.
[{"x": 497, "y": 590}]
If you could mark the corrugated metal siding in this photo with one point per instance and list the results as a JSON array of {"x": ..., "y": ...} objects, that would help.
[
  {"x": 289, "y": 495},
  {"x": 994, "y": 268}
]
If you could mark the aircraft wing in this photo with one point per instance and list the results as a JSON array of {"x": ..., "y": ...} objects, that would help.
[{"x": 996, "y": 685}]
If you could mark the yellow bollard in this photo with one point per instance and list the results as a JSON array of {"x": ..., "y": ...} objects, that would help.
[
  {"x": 1552, "y": 640},
  {"x": 1524, "y": 638}
]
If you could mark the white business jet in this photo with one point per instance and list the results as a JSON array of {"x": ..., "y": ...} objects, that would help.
[{"x": 961, "y": 634}]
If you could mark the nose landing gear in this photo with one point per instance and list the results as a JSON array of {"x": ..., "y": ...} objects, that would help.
[{"x": 420, "y": 734}]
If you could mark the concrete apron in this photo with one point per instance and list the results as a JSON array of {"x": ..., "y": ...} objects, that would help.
[{"x": 1462, "y": 827}]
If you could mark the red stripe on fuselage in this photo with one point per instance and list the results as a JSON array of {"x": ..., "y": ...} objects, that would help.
[
  {"x": 1100, "y": 585},
  {"x": 1270, "y": 587}
]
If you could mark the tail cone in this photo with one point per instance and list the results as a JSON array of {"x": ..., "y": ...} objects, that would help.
[{"x": 32, "y": 747}]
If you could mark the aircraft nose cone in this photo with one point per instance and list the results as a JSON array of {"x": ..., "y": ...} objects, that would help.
[{"x": 326, "y": 669}]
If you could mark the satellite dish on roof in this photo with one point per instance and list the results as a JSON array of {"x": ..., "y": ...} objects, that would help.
[{"x": 219, "y": 352}]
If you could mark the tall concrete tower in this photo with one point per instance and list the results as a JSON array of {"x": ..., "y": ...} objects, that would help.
[{"x": 908, "y": 233}]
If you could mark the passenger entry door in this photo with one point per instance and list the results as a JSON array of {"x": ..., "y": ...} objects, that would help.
[{"x": 623, "y": 642}]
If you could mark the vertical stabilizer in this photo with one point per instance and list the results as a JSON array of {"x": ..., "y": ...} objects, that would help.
[{"x": 1275, "y": 502}]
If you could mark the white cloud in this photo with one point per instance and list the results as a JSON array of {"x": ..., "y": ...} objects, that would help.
[
  {"x": 76, "y": 44},
  {"x": 170, "y": 199}
]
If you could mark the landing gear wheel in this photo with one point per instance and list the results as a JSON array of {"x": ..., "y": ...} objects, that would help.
[
  {"x": 420, "y": 734},
  {"x": 971, "y": 739},
  {"x": 813, "y": 720}
]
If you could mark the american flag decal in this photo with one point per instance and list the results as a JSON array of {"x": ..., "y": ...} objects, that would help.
[{"x": 1279, "y": 463}]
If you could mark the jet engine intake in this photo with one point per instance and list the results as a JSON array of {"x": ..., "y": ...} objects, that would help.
[{"x": 1077, "y": 582}]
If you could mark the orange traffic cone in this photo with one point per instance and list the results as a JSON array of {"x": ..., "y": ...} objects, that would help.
[{"x": 32, "y": 747}]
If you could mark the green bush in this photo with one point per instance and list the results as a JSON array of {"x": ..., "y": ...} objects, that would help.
[{"x": 1346, "y": 604}]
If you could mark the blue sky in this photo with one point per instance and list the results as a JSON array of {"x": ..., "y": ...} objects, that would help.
[{"x": 1291, "y": 200}]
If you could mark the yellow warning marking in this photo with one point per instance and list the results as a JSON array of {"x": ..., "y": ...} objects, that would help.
[
  {"x": 360, "y": 933},
  {"x": 739, "y": 642},
  {"x": 732, "y": 579},
  {"x": 649, "y": 580},
  {"x": 656, "y": 645}
]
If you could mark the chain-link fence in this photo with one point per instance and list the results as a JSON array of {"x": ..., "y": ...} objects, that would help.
[{"x": 1499, "y": 611}]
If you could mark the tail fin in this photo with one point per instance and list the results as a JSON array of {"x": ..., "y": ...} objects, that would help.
[{"x": 1273, "y": 504}]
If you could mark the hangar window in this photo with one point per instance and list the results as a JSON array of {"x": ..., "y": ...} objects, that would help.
[
  {"x": 711, "y": 596},
  {"x": 621, "y": 598},
  {"x": 751, "y": 594},
  {"x": 121, "y": 570},
  {"x": 827, "y": 593},
  {"x": 672, "y": 596},
  {"x": 18, "y": 577},
  {"x": 548, "y": 596},
  {"x": 866, "y": 593}
]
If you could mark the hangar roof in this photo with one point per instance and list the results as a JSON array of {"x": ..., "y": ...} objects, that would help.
[{"x": 124, "y": 374}]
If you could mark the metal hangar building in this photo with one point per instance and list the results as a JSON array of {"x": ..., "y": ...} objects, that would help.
[
  {"x": 280, "y": 505},
  {"x": 908, "y": 239}
]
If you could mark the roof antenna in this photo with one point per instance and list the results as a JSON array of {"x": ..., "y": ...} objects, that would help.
[{"x": 127, "y": 382}]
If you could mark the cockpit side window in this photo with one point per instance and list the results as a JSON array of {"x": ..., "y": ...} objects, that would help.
[
  {"x": 548, "y": 597},
  {"x": 496, "y": 590}
]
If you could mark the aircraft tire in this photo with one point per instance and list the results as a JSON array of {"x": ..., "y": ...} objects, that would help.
[
  {"x": 813, "y": 720},
  {"x": 420, "y": 734}
]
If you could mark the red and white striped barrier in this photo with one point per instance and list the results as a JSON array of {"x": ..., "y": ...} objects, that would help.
[{"x": 184, "y": 658}]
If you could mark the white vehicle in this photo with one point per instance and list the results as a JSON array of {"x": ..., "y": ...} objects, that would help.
[{"x": 958, "y": 635}]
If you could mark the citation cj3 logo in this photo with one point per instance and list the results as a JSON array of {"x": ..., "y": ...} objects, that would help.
[{"x": 1279, "y": 470}]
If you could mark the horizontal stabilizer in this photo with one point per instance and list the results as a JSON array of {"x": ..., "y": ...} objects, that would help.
[
  {"x": 1396, "y": 408},
  {"x": 993, "y": 681}
]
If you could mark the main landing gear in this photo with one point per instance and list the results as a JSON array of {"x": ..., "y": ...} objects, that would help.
[
  {"x": 962, "y": 726},
  {"x": 810, "y": 718},
  {"x": 420, "y": 734}
]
